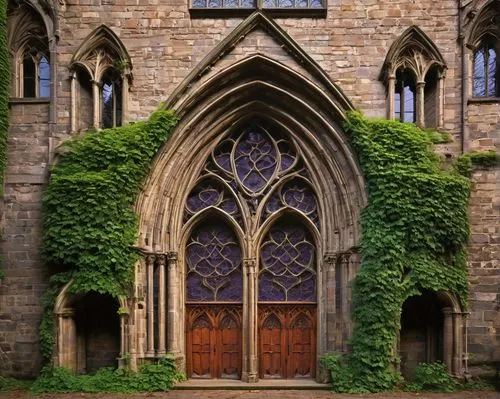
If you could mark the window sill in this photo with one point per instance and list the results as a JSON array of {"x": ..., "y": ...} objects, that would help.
[
  {"x": 484, "y": 100},
  {"x": 244, "y": 12},
  {"x": 29, "y": 100}
]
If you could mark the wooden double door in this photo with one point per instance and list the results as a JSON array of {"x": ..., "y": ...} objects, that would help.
[
  {"x": 287, "y": 341},
  {"x": 214, "y": 344}
]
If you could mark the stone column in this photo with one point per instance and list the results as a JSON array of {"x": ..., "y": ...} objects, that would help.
[
  {"x": 419, "y": 104},
  {"x": 391, "y": 90},
  {"x": 73, "y": 101},
  {"x": 250, "y": 267},
  {"x": 150, "y": 260},
  {"x": 125, "y": 89},
  {"x": 161, "y": 306},
  {"x": 96, "y": 104},
  {"x": 457, "y": 344},
  {"x": 173, "y": 292},
  {"x": 329, "y": 261},
  {"x": 440, "y": 100},
  {"x": 448, "y": 338},
  {"x": 345, "y": 298}
]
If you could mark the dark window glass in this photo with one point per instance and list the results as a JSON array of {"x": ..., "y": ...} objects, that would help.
[
  {"x": 404, "y": 98},
  {"x": 107, "y": 104},
  {"x": 485, "y": 72},
  {"x": 43, "y": 77},
  {"x": 287, "y": 265},
  {"x": 29, "y": 77},
  {"x": 213, "y": 258}
]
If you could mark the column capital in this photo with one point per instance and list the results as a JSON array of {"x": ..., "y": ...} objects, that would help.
[
  {"x": 172, "y": 258},
  {"x": 161, "y": 259},
  {"x": 150, "y": 259},
  {"x": 331, "y": 258}
]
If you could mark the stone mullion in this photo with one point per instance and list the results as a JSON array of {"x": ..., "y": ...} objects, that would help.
[
  {"x": 440, "y": 101},
  {"x": 251, "y": 327},
  {"x": 161, "y": 306},
  {"x": 150, "y": 260},
  {"x": 73, "y": 101},
  {"x": 391, "y": 90},
  {"x": 420, "y": 104},
  {"x": 96, "y": 104}
]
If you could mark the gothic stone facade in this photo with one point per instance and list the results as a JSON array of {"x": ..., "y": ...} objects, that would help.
[{"x": 294, "y": 69}]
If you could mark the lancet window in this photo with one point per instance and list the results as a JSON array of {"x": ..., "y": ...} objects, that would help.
[
  {"x": 29, "y": 47},
  {"x": 101, "y": 73},
  {"x": 414, "y": 74},
  {"x": 484, "y": 41}
]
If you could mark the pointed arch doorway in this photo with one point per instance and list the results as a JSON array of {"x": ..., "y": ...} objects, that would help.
[{"x": 252, "y": 200}]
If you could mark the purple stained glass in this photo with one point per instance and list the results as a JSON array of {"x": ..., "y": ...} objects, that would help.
[
  {"x": 222, "y": 155},
  {"x": 256, "y": 161},
  {"x": 287, "y": 265},
  {"x": 287, "y": 155},
  {"x": 213, "y": 256}
]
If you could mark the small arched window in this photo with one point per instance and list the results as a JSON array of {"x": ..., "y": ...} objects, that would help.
[
  {"x": 486, "y": 70},
  {"x": 111, "y": 100},
  {"x": 404, "y": 96},
  {"x": 35, "y": 71}
]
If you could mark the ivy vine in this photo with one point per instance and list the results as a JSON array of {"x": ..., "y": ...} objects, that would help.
[
  {"x": 88, "y": 222},
  {"x": 414, "y": 235}
]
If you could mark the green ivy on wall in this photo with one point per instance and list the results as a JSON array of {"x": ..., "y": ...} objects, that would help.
[
  {"x": 88, "y": 222},
  {"x": 414, "y": 234}
]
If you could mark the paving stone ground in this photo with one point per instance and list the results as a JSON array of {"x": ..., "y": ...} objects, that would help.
[{"x": 259, "y": 394}]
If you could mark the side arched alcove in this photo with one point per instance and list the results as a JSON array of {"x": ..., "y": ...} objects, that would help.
[
  {"x": 91, "y": 331},
  {"x": 256, "y": 98}
]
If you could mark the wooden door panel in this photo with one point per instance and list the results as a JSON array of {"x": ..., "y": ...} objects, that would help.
[
  {"x": 272, "y": 353},
  {"x": 213, "y": 342},
  {"x": 229, "y": 333},
  {"x": 287, "y": 341}
]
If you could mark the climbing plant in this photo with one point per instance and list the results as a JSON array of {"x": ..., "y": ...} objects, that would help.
[
  {"x": 88, "y": 221},
  {"x": 414, "y": 232}
]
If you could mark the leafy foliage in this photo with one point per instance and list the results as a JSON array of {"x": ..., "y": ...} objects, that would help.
[
  {"x": 158, "y": 377},
  {"x": 89, "y": 225},
  {"x": 432, "y": 377},
  {"x": 485, "y": 159},
  {"x": 414, "y": 232},
  {"x": 8, "y": 384}
]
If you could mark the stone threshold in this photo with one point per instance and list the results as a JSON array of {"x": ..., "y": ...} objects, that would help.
[{"x": 281, "y": 384}]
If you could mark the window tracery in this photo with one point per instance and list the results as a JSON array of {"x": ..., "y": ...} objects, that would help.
[
  {"x": 414, "y": 72},
  {"x": 103, "y": 65},
  {"x": 484, "y": 41},
  {"x": 29, "y": 47},
  {"x": 255, "y": 174}
]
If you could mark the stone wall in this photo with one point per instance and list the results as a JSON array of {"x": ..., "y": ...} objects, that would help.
[
  {"x": 165, "y": 44},
  {"x": 25, "y": 280}
]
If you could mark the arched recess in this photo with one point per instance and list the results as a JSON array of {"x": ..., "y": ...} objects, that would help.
[
  {"x": 432, "y": 329},
  {"x": 101, "y": 61},
  {"x": 306, "y": 109},
  {"x": 91, "y": 331},
  {"x": 416, "y": 53}
]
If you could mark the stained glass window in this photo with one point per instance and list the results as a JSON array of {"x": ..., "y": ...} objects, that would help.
[
  {"x": 255, "y": 171},
  {"x": 213, "y": 258},
  {"x": 486, "y": 72},
  {"x": 287, "y": 265}
]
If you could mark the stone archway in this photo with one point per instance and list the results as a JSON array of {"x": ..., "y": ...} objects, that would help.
[
  {"x": 90, "y": 331},
  {"x": 294, "y": 100},
  {"x": 432, "y": 329}
]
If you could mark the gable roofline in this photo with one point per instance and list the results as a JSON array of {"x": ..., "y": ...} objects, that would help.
[{"x": 258, "y": 19}]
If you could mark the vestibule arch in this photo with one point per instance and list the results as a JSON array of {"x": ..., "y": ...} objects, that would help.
[{"x": 309, "y": 113}]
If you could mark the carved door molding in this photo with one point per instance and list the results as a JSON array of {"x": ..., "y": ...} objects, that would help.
[
  {"x": 287, "y": 341},
  {"x": 214, "y": 344}
]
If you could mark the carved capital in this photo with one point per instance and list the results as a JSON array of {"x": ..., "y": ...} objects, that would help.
[
  {"x": 150, "y": 259},
  {"x": 161, "y": 260},
  {"x": 250, "y": 264},
  {"x": 345, "y": 257},
  {"x": 172, "y": 257}
]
